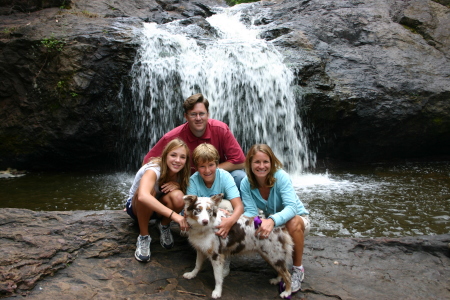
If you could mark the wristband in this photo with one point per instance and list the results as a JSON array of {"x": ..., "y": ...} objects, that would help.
[{"x": 170, "y": 217}]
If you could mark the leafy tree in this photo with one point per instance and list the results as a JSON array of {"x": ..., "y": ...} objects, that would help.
[{"x": 234, "y": 2}]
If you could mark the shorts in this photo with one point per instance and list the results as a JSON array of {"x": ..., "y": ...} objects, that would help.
[
  {"x": 133, "y": 216},
  {"x": 307, "y": 223},
  {"x": 130, "y": 210}
]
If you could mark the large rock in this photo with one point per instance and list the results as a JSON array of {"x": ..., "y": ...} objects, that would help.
[
  {"x": 62, "y": 68},
  {"x": 90, "y": 254},
  {"x": 372, "y": 76}
]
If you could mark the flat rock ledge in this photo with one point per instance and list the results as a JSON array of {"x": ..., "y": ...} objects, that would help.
[{"x": 90, "y": 255}]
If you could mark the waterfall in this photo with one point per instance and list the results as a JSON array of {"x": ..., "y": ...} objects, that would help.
[{"x": 243, "y": 77}]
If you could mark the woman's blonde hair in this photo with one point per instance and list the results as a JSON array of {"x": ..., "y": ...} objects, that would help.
[
  {"x": 275, "y": 164},
  {"x": 205, "y": 153},
  {"x": 184, "y": 174}
]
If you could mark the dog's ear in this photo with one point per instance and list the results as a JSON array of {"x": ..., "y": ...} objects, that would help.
[
  {"x": 188, "y": 199},
  {"x": 217, "y": 198}
]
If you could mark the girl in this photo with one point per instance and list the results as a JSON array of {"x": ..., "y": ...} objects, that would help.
[
  {"x": 159, "y": 187},
  {"x": 269, "y": 188}
]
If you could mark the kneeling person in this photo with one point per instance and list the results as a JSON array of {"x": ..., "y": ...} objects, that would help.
[
  {"x": 210, "y": 180},
  {"x": 158, "y": 191}
]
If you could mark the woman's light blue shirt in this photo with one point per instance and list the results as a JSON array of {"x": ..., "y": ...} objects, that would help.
[{"x": 282, "y": 205}]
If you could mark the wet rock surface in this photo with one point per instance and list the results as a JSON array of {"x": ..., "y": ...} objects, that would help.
[{"x": 90, "y": 254}]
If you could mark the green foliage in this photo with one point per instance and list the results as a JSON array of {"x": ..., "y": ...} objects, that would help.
[
  {"x": 53, "y": 43},
  {"x": 89, "y": 14},
  {"x": 234, "y": 2},
  {"x": 65, "y": 5},
  {"x": 61, "y": 85},
  {"x": 437, "y": 121},
  {"x": 73, "y": 94},
  {"x": 9, "y": 30},
  {"x": 413, "y": 30}
]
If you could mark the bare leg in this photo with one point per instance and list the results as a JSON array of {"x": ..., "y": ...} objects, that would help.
[
  {"x": 143, "y": 213},
  {"x": 296, "y": 228},
  {"x": 174, "y": 201}
]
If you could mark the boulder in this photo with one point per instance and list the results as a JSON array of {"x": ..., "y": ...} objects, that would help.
[{"x": 90, "y": 254}]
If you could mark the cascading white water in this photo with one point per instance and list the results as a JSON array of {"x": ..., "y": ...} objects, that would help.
[{"x": 243, "y": 77}]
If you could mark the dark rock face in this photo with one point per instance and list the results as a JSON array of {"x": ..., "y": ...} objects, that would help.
[
  {"x": 61, "y": 71},
  {"x": 372, "y": 76},
  {"x": 90, "y": 254}
]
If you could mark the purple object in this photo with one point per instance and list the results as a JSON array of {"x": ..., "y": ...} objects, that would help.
[
  {"x": 257, "y": 221},
  {"x": 281, "y": 287}
]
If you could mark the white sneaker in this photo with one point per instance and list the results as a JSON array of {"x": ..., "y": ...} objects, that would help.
[
  {"x": 297, "y": 277},
  {"x": 143, "y": 248},
  {"x": 166, "y": 238}
]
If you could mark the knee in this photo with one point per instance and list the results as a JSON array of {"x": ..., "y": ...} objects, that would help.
[
  {"x": 295, "y": 225},
  {"x": 176, "y": 198}
]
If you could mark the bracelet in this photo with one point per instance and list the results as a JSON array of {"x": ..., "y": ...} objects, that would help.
[{"x": 170, "y": 217}]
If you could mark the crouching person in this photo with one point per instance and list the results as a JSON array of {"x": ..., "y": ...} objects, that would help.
[
  {"x": 268, "y": 187},
  {"x": 157, "y": 192}
]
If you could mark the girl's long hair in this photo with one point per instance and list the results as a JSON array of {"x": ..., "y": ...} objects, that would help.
[
  {"x": 184, "y": 174},
  {"x": 275, "y": 164}
]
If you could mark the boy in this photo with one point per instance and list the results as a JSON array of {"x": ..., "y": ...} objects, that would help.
[{"x": 210, "y": 180}]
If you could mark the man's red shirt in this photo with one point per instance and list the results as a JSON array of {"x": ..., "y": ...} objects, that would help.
[{"x": 217, "y": 133}]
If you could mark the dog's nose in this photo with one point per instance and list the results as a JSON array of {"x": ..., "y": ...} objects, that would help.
[{"x": 205, "y": 222}]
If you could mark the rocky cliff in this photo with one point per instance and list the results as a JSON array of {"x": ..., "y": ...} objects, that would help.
[
  {"x": 372, "y": 76},
  {"x": 90, "y": 255}
]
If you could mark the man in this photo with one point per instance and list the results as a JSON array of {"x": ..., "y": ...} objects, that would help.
[{"x": 199, "y": 129}]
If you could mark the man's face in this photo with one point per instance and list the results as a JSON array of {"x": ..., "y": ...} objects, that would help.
[{"x": 197, "y": 119}]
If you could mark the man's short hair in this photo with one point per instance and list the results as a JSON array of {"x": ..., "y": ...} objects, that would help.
[
  {"x": 205, "y": 153},
  {"x": 190, "y": 102}
]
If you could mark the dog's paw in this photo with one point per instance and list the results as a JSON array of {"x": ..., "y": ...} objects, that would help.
[
  {"x": 275, "y": 280},
  {"x": 216, "y": 294},
  {"x": 285, "y": 295},
  {"x": 189, "y": 275}
]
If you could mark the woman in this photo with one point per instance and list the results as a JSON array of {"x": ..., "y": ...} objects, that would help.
[
  {"x": 269, "y": 188},
  {"x": 159, "y": 187}
]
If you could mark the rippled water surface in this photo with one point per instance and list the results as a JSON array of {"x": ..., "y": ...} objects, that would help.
[{"x": 379, "y": 200}]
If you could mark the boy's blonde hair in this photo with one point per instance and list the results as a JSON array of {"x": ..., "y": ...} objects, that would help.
[{"x": 205, "y": 153}]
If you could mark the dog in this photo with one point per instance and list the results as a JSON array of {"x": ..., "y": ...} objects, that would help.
[{"x": 203, "y": 215}]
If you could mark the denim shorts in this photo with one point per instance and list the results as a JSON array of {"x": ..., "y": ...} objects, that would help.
[
  {"x": 132, "y": 215},
  {"x": 130, "y": 210}
]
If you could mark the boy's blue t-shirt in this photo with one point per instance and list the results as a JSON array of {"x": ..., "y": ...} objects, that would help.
[{"x": 223, "y": 183}]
